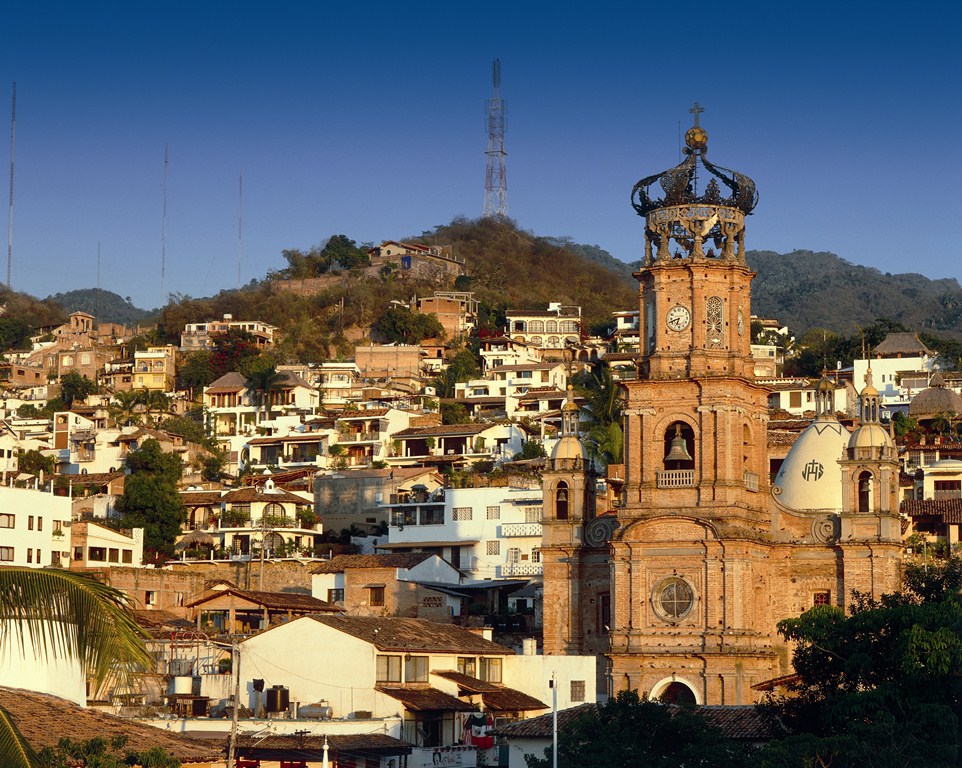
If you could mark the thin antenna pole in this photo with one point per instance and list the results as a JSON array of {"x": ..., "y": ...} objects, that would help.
[
  {"x": 240, "y": 226},
  {"x": 163, "y": 236},
  {"x": 495, "y": 181},
  {"x": 98, "y": 282},
  {"x": 13, "y": 144}
]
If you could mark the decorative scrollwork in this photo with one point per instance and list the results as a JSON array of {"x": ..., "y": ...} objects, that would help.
[
  {"x": 826, "y": 529},
  {"x": 599, "y": 531}
]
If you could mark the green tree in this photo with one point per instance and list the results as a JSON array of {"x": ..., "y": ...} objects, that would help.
[
  {"x": 98, "y": 753},
  {"x": 150, "y": 499},
  {"x": 126, "y": 407},
  {"x": 400, "y": 325},
  {"x": 14, "y": 333},
  {"x": 105, "y": 639},
  {"x": 33, "y": 462},
  {"x": 531, "y": 449},
  {"x": 629, "y": 731},
  {"x": 267, "y": 382},
  {"x": 196, "y": 372},
  {"x": 602, "y": 408},
  {"x": 881, "y": 686},
  {"x": 74, "y": 386}
]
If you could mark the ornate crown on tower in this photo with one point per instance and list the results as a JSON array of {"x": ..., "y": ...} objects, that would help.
[{"x": 680, "y": 184}]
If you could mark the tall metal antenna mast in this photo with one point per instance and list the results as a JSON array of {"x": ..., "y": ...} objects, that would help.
[
  {"x": 163, "y": 236},
  {"x": 496, "y": 180},
  {"x": 13, "y": 143},
  {"x": 240, "y": 223}
]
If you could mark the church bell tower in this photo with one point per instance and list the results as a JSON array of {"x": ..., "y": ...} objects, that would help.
[{"x": 687, "y": 621}]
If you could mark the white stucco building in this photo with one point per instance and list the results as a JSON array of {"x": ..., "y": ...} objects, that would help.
[{"x": 34, "y": 527}]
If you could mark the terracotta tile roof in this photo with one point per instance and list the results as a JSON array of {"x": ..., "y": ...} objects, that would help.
[
  {"x": 94, "y": 478},
  {"x": 543, "y": 393},
  {"x": 736, "y": 722},
  {"x": 442, "y": 430},
  {"x": 200, "y": 498},
  {"x": 425, "y": 699},
  {"x": 339, "y": 563},
  {"x": 312, "y": 437},
  {"x": 44, "y": 720},
  {"x": 392, "y": 633},
  {"x": 161, "y": 623},
  {"x": 466, "y": 682},
  {"x": 510, "y": 700},
  {"x": 540, "y": 727},
  {"x": 781, "y": 437},
  {"x": 377, "y": 743},
  {"x": 229, "y": 382},
  {"x": 524, "y": 367},
  {"x": 950, "y": 510},
  {"x": 249, "y": 494},
  {"x": 278, "y": 601},
  {"x": 368, "y": 414}
]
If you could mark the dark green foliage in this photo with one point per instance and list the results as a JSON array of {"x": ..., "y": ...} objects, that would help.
[
  {"x": 820, "y": 348},
  {"x": 602, "y": 411},
  {"x": 400, "y": 325},
  {"x": 106, "y": 306},
  {"x": 806, "y": 290},
  {"x": 150, "y": 499},
  {"x": 454, "y": 413},
  {"x": 14, "y": 333},
  {"x": 33, "y": 462},
  {"x": 73, "y": 386},
  {"x": 532, "y": 449},
  {"x": 338, "y": 252},
  {"x": 880, "y": 687},
  {"x": 196, "y": 371},
  {"x": 99, "y": 753},
  {"x": 630, "y": 732}
]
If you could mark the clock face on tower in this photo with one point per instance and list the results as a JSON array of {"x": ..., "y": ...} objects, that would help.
[{"x": 678, "y": 318}]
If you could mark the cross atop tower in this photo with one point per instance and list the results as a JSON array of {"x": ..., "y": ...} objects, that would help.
[{"x": 696, "y": 110}]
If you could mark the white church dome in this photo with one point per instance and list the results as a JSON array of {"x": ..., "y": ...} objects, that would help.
[{"x": 810, "y": 478}]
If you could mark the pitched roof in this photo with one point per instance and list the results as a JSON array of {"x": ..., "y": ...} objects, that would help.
[
  {"x": 950, "y": 510},
  {"x": 248, "y": 494},
  {"x": 466, "y": 682},
  {"x": 200, "y": 498},
  {"x": 425, "y": 699},
  {"x": 278, "y": 601},
  {"x": 301, "y": 437},
  {"x": 735, "y": 722},
  {"x": 392, "y": 633},
  {"x": 229, "y": 382},
  {"x": 44, "y": 720},
  {"x": 442, "y": 430},
  {"x": 901, "y": 344},
  {"x": 377, "y": 743},
  {"x": 511, "y": 700},
  {"x": 339, "y": 563}
]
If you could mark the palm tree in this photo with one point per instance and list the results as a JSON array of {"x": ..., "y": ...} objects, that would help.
[
  {"x": 603, "y": 404},
  {"x": 36, "y": 604},
  {"x": 155, "y": 402},
  {"x": 125, "y": 407},
  {"x": 267, "y": 381}
]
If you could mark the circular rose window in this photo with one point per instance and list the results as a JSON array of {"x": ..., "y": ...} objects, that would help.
[{"x": 673, "y": 599}]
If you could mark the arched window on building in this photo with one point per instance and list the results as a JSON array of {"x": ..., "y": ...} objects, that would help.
[
  {"x": 679, "y": 446},
  {"x": 561, "y": 495},
  {"x": 865, "y": 492}
]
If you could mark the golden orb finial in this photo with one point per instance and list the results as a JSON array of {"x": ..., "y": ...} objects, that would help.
[{"x": 696, "y": 138}]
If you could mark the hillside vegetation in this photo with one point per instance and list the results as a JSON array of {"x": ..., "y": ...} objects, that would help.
[
  {"x": 807, "y": 290},
  {"x": 106, "y": 306}
]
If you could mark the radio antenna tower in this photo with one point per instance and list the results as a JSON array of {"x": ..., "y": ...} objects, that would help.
[
  {"x": 13, "y": 143},
  {"x": 163, "y": 237},
  {"x": 496, "y": 179}
]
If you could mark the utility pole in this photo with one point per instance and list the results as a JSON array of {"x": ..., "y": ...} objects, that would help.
[
  {"x": 496, "y": 179},
  {"x": 235, "y": 668}
]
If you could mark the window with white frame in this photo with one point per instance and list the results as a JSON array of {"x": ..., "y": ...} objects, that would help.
[
  {"x": 494, "y": 547},
  {"x": 514, "y": 555},
  {"x": 494, "y": 512},
  {"x": 460, "y": 514},
  {"x": 533, "y": 514}
]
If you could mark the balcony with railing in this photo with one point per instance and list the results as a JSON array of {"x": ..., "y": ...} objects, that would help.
[
  {"x": 512, "y": 530},
  {"x": 522, "y": 569},
  {"x": 675, "y": 478}
]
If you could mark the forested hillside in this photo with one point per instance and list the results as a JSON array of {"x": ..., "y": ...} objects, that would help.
[
  {"x": 106, "y": 306},
  {"x": 820, "y": 290}
]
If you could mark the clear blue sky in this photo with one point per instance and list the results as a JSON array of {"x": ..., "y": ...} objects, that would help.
[{"x": 367, "y": 120}]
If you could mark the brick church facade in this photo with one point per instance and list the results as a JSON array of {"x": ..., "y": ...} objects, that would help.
[{"x": 678, "y": 589}]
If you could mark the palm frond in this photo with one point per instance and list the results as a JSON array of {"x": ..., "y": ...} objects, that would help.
[
  {"x": 70, "y": 615},
  {"x": 15, "y": 752}
]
